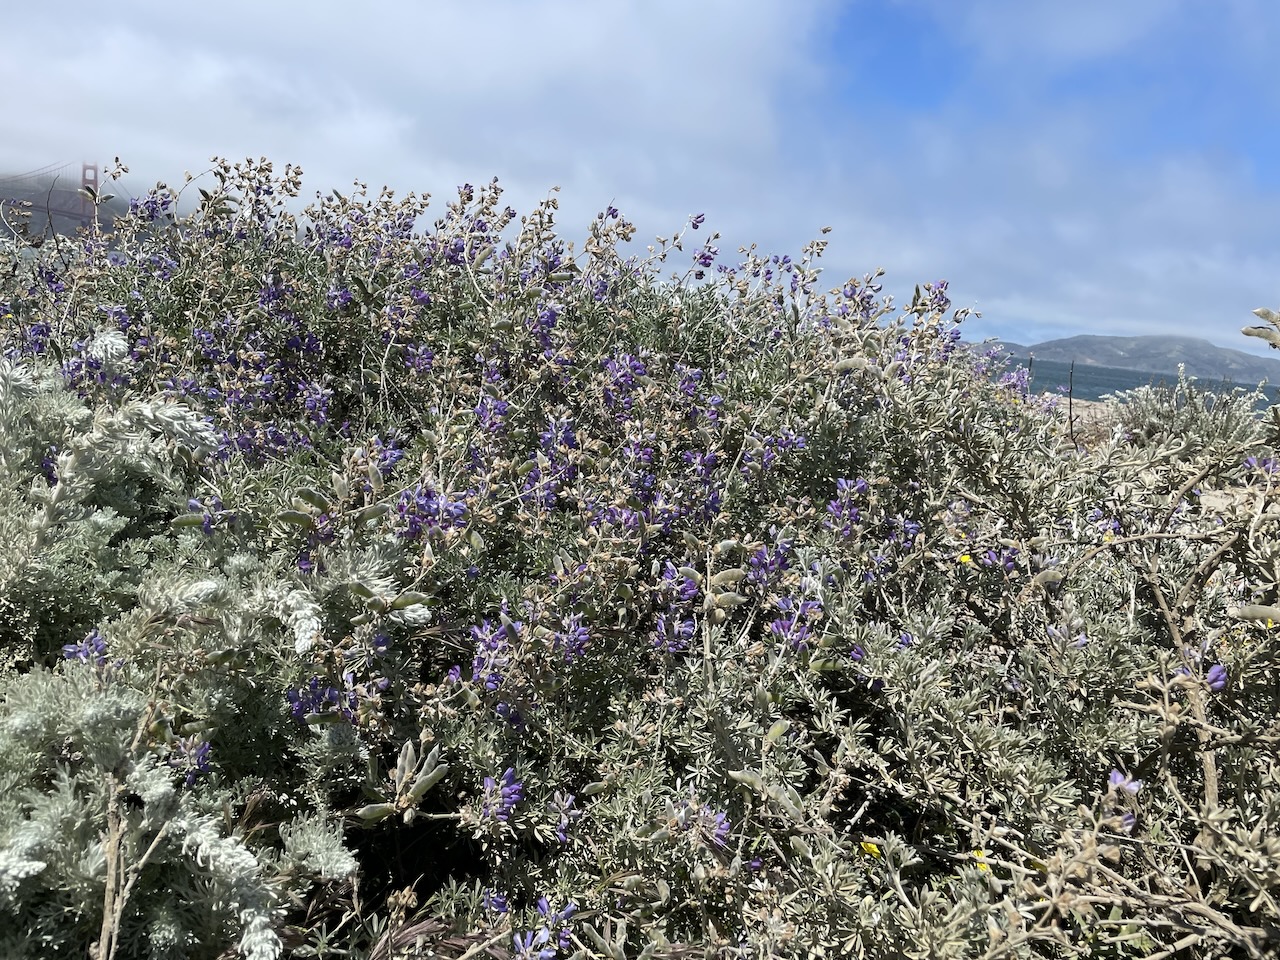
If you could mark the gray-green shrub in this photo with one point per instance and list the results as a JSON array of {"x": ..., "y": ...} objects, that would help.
[{"x": 366, "y": 585}]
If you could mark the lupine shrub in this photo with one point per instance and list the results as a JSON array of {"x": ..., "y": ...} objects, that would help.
[{"x": 369, "y": 588}]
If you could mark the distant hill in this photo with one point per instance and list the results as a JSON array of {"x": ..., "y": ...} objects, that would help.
[{"x": 1154, "y": 355}]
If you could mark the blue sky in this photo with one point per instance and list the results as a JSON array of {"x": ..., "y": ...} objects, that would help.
[{"x": 1098, "y": 166}]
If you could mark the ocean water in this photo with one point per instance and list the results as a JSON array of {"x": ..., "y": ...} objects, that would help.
[{"x": 1089, "y": 382}]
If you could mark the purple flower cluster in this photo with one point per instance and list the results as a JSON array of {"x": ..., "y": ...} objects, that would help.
[
  {"x": 767, "y": 564},
  {"x": 317, "y": 699},
  {"x": 214, "y": 514},
  {"x": 844, "y": 509},
  {"x": 571, "y": 639},
  {"x": 1102, "y": 523},
  {"x": 677, "y": 595},
  {"x": 562, "y": 807},
  {"x": 191, "y": 755},
  {"x": 552, "y": 468},
  {"x": 1016, "y": 381},
  {"x": 493, "y": 652},
  {"x": 796, "y": 622},
  {"x": 536, "y": 944},
  {"x": 1006, "y": 558},
  {"x": 763, "y": 453},
  {"x": 501, "y": 796},
  {"x": 711, "y": 826},
  {"x": 93, "y": 648},
  {"x": 1267, "y": 465},
  {"x": 623, "y": 372},
  {"x": 425, "y": 512}
]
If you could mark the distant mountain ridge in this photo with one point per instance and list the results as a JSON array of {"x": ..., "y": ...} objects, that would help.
[{"x": 1153, "y": 354}]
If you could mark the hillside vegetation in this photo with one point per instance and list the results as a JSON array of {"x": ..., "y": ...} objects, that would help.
[{"x": 367, "y": 590}]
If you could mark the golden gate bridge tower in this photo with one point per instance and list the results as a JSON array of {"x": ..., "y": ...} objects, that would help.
[{"x": 54, "y": 195}]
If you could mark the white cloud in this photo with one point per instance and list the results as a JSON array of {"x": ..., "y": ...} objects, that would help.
[{"x": 1050, "y": 33}]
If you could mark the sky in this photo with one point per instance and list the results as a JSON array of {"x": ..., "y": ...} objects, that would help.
[{"x": 1084, "y": 167}]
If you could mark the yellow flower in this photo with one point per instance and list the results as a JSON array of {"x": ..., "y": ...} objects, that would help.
[
  {"x": 980, "y": 856},
  {"x": 870, "y": 849},
  {"x": 965, "y": 558}
]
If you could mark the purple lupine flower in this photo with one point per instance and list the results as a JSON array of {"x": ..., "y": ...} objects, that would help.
[
  {"x": 386, "y": 454},
  {"x": 712, "y": 826},
  {"x": 315, "y": 699},
  {"x": 719, "y": 828},
  {"x": 766, "y": 565},
  {"x": 92, "y": 648},
  {"x": 533, "y": 946},
  {"x": 495, "y": 901},
  {"x": 492, "y": 414},
  {"x": 843, "y": 509},
  {"x": 562, "y": 806},
  {"x": 564, "y": 941},
  {"x": 425, "y": 511},
  {"x": 937, "y": 300},
  {"x": 702, "y": 463},
  {"x": 1006, "y": 558},
  {"x": 492, "y": 652},
  {"x": 418, "y": 358},
  {"x": 571, "y": 639},
  {"x": 500, "y": 801},
  {"x": 191, "y": 755},
  {"x": 1267, "y": 465},
  {"x": 1216, "y": 678},
  {"x": 672, "y": 633},
  {"x": 1123, "y": 781},
  {"x": 690, "y": 377},
  {"x": 623, "y": 371},
  {"x": 795, "y": 623},
  {"x": 684, "y": 587},
  {"x": 1103, "y": 523}
]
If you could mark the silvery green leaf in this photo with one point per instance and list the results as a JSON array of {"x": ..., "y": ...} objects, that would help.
[
  {"x": 340, "y": 485},
  {"x": 1256, "y": 612},
  {"x": 371, "y": 512},
  {"x": 728, "y": 577},
  {"x": 1047, "y": 578},
  {"x": 410, "y": 598},
  {"x": 376, "y": 811},
  {"x": 427, "y": 780},
  {"x": 432, "y": 759},
  {"x": 406, "y": 764},
  {"x": 1272, "y": 336}
]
